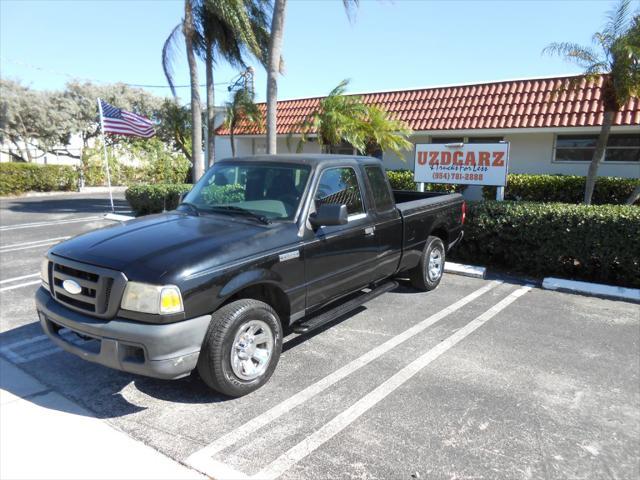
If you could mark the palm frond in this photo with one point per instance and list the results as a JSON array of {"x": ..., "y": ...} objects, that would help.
[
  {"x": 351, "y": 9},
  {"x": 618, "y": 20},
  {"x": 574, "y": 53},
  {"x": 168, "y": 54},
  {"x": 242, "y": 109}
]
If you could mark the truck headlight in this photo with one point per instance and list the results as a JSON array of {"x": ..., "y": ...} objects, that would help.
[
  {"x": 44, "y": 272},
  {"x": 141, "y": 297}
]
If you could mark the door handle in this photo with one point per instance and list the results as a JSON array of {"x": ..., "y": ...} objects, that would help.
[{"x": 370, "y": 231}]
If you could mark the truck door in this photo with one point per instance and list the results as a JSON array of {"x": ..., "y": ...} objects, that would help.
[
  {"x": 386, "y": 222},
  {"x": 340, "y": 259}
]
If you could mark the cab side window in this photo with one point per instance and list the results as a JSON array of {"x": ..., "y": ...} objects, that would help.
[
  {"x": 380, "y": 188},
  {"x": 340, "y": 186}
]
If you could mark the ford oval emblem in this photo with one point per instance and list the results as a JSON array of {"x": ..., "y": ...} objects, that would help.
[{"x": 72, "y": 287}]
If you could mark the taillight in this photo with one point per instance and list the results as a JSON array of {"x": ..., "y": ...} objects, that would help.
[{"x": 464, "y": 211}]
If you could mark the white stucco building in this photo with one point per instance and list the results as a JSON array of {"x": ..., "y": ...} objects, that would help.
[{"x": 550, "y": 130}]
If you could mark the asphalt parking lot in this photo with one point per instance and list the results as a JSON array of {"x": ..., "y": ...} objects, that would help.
[{"x": 478, "y": 379}]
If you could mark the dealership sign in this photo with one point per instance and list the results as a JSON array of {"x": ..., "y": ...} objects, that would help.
[{"x": 469, "y": 164}]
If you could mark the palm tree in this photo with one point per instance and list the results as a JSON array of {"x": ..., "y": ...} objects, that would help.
[
  {"x": 228, "y": 34},
  {"x": 275, "y": 65},
  {"x": 617, "y": 60},
  {"x": 337, "y": 119},
  {"x": 341, "y": 118},
  {"x": 382, "y": 132},
  {"x": 241, "y": 108},
  {"x": 215, "y": 29}
]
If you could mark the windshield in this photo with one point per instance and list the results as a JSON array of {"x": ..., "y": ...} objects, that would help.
[{"x": 272, "y": 191}]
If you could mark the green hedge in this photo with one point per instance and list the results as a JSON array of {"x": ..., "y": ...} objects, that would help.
[
  {"x": 563, "y": 188},
  {"x": 24, "y": 177},
  {"x": 145, "y": 199},
  {"x": 403, "y": 180},
  {"x": 594, "y": 243},
  {"x": 154, "y": 164}
]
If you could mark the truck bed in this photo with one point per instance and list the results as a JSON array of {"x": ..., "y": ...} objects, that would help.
[
  {"x": 424, "y": 214},
  {"x": 410, "y": 202}
]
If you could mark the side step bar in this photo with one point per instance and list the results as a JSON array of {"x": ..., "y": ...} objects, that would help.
[{"x": 341, "y": 309}]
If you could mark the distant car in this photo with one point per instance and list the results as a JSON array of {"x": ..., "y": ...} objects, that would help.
[{"x": 259, "y": 244}]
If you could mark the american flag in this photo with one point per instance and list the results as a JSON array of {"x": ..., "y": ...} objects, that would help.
[{"x": 122, "y": 122}]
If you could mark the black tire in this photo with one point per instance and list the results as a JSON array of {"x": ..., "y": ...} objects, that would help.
[
  {"x": 420, "y": 276},
  {"x": 215, "y": 363}
]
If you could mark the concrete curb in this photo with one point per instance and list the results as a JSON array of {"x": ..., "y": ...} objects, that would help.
[
  {"x": 99, "y": 450},
  {"x": 596, "y": 289},
  {"x": 83, "y": 190},
  {"x": 465, "y": 270}
]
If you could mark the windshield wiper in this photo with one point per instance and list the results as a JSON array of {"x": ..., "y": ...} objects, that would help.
[
  {"x": 192, "y": 207},
  {"x": 242, "y": 211}
]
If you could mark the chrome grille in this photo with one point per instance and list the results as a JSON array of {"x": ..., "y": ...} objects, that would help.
[{"x": 101, "y": 289}]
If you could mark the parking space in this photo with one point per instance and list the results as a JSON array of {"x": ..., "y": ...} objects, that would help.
[{"x": 478, "y": 379}]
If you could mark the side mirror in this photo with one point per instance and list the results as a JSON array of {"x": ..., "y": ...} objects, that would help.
[{"x": 328, "y": 215}]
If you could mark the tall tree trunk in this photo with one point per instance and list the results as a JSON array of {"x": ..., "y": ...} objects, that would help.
[
  {"x": 634, "y": 197},
  {"x": 273, "y": 70},
  {"x": 232, "y": 139},
  {"x": 211, "y": 114},
  {"x": 598, "y": 155},
  {"x": 196, "y": 113}
]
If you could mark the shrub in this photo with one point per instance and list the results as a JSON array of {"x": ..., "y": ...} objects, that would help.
[
  {"x": 223, "y": 193},
  {"x": 155, "y": 164},
  {"x": 563, "y": 188},
  {"x": 145, "y": 199},
  {"x": 591, "y": 242},
  {"x": 23, "y": 177},
  {"x": 403, "y": 180}
]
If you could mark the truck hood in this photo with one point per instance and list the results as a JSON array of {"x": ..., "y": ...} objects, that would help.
[{"x": 172, "y": 245}]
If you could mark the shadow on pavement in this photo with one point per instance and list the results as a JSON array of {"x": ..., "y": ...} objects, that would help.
[
  {"x": 100, "y": 389},
  {"x": 65, "y": 205}
]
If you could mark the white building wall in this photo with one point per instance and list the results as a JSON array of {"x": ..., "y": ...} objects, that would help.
[
  {"x": 246, "y": 146},
  {"x": 534, "y": 153}
]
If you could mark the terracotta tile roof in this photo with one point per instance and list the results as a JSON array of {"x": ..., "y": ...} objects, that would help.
[{"x": 536, "y": 103}]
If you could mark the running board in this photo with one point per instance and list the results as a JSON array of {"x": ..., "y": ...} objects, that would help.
[{"x": 338, "y": 311}]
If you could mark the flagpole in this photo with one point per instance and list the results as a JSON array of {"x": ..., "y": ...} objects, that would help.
[{"x": 106, "y": 159}]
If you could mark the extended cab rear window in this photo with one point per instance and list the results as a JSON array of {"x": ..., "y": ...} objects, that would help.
[{"x": 380, "y": 189}]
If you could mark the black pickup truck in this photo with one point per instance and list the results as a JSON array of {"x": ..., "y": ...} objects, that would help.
[{"x": 258, "y": 245}]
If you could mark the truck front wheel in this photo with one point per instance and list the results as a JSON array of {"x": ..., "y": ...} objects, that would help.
[
  {"x": 241, "y": 348},
  {"x": 428, "y": 273}
]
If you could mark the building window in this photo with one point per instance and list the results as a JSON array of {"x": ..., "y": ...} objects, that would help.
[
  {"x": 441, "y": 140},
  {"x": 621, "y": 147},
  {"x": 484, "y": 139},
  {"x": 343, "y": 149}
]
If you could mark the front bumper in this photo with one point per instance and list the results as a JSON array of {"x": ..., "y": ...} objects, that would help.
[{"x": 165, "y": 351}]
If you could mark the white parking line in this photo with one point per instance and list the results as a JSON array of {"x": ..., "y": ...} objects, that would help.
[
  {"x": 20, "y": 285},
  {"x": 10, "y": 352},
  {"x": 45, "y": 224},
  {"x": 37, "y": 245},
  {"x": 22, "y": 277},
  {"x": 11, "y": 245},
  {"x": 346, "y": 418},
  {"x": 202, "y": 459}
]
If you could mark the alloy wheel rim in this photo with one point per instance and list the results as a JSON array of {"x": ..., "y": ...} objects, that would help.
[
  {"x": 251, "y": 350},
  {"x": 434, "y": 268}
]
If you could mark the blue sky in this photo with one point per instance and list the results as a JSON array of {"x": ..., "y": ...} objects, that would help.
[{"x": 390, "y": 45}]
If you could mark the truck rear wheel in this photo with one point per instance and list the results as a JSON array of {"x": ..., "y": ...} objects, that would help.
[
  {"x": 241, "y": 348},
  {"x": 428, "y": 273}
]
